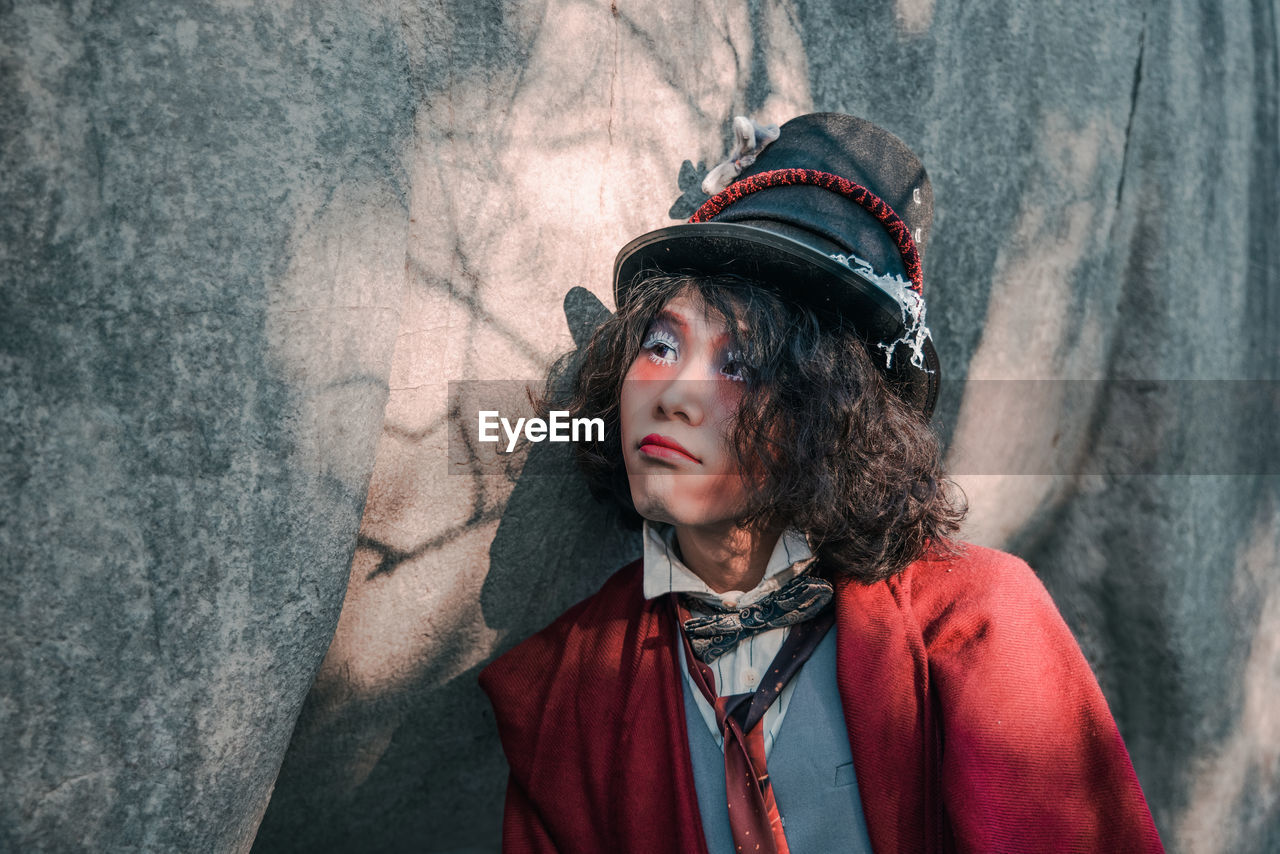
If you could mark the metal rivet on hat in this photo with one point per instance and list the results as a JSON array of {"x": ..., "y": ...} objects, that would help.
[
  {"x": 915, "y": 197},
  {"x": 916, "y": 235}
]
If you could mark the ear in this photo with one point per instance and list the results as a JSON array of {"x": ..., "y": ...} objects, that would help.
[{"x": 584, "y": 313}]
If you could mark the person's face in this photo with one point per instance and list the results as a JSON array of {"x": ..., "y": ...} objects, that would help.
[{"x": 679, "y": 400}]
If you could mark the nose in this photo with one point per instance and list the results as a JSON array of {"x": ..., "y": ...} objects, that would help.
[{"x": 684, "y": 396}]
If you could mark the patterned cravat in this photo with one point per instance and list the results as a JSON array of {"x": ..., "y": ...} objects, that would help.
[
  {"x": 754, "y": 819},
  {"x": 711, "y": 636}
]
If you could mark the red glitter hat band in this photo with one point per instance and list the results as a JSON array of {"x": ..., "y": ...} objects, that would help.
[{"x": 868, "y": 200}]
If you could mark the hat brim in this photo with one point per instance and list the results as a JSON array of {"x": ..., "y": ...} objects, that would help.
[{"x": 810, "y": 277}]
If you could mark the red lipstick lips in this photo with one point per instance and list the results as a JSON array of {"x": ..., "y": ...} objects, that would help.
[{"x": 664, "y": 447}]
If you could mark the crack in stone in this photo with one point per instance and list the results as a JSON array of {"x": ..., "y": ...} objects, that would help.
[{"x": 1133, "y": 109}]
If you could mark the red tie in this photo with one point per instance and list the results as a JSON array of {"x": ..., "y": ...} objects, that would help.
[{"x": 754, "y": 819}]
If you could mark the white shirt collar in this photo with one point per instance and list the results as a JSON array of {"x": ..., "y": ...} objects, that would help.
[{"x": 665, "y": 573}]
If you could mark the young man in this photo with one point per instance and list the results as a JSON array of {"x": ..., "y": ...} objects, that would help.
[{"x": 802, "y": 660}]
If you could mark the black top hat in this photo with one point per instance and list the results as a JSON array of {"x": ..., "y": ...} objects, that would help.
[{"x": 835, "y": 214}]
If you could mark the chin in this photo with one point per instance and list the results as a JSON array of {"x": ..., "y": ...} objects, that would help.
[
  {"x": 681, "y": 511},
  {"x": 663, "y": 513},
  {"x": 652, "y": 507}
]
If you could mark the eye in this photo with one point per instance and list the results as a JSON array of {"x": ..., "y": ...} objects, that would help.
[
  {"x": 735, "y": 367},
  {"x": 661, "y": 347}
]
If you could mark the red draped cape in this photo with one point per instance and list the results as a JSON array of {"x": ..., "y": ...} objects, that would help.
[{"x": 974, "y": 721}]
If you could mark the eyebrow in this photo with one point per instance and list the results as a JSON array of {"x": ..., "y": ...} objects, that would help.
[{"x": 671, "y": 317}]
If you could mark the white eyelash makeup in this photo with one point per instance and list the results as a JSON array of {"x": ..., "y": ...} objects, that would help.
[
  {"x": 735, "y": 357},
  {"x": 659, "y": 336}
]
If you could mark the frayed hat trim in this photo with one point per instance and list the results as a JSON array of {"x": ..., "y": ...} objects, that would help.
[{"x": 909, "y": 301}]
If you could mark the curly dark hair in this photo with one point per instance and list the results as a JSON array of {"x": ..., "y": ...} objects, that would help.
[{"x": 840, "y": 455}]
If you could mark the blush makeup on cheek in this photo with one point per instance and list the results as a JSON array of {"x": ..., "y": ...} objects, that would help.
[{"x": 644, "y": 369}]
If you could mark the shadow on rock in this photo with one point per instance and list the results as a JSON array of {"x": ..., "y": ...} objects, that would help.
[{"x": 555, "y": 545}]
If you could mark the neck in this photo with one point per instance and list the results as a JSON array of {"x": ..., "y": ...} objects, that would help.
[{"x": 729, "y": 558}]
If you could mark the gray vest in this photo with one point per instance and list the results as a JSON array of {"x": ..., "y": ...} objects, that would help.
[{"x": 810, "y": 765}]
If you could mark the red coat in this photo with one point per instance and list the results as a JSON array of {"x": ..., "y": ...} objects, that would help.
[{"x": 974, "y": 720}]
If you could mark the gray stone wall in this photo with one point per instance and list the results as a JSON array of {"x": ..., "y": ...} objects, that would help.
[
  {"x": 246, "y": 247},
  {"x": 204, "y": 234}
]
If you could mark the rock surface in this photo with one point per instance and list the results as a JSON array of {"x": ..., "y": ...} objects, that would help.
[{"x": 204, "y": 234}]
